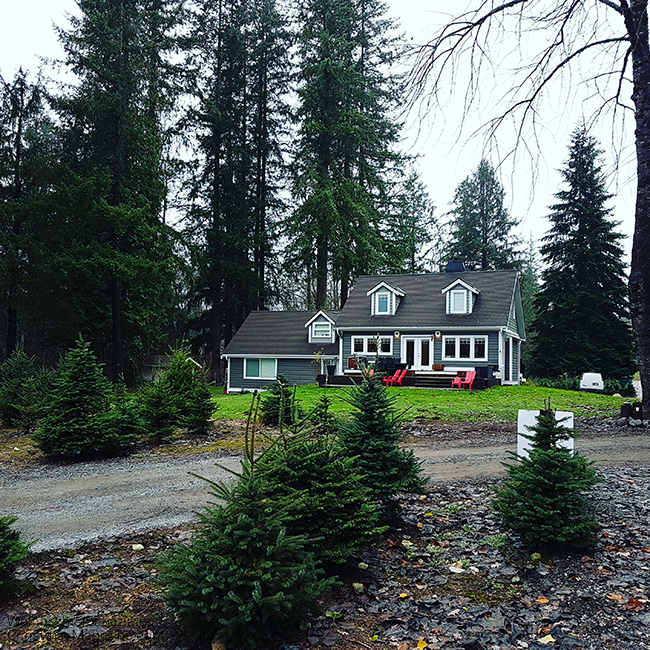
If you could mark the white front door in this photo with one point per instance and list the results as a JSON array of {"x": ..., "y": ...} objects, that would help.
[{"x": 417, "y": 353}]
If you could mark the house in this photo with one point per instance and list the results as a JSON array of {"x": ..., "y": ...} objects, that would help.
[{"x": 435, "y": 324}]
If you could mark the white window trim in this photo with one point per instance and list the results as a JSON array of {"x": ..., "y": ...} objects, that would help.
[
  {"x": 314, "y": 338},
  {"x": 472, "y": 339},
  {"x": 275, "y": 368},
  {"x": 366, "y": 340}
]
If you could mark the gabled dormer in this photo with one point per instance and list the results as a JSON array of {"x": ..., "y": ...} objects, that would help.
[
  {"x": 460, "y": 297},
  {"x": 384, "y": 299},
  {"x": 321, "y": 328}
]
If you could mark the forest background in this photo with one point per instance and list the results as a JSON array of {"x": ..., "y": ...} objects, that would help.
[{"x": 157, "y": 219}]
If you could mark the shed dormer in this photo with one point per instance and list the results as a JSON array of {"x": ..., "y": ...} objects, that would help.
[
  {"x": 384, "y": 299},
  {"x": 460, "y": 297},
  {"x": 321, "y": 328}
]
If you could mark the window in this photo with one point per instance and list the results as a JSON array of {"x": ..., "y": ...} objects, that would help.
[
  {"x": 321, "y": 331},
  {"x": 260, "y": 368},
  {"x": 372, "y": 345},
  {"x": 465, "y": 347},
  {"x": 458, "y": 302},
  {"x": 383, "y": 303}
]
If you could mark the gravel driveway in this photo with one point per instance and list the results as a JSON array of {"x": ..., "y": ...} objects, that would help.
[{"x": 64, "y": 505}]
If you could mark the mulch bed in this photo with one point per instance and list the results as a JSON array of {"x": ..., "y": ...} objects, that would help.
[{"x": 448, "y": 578}]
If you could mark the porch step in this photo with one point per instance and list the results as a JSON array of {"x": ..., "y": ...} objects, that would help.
[{"x": 433, "y": 382}]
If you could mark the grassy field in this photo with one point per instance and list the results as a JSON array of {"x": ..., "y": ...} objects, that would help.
[{"x": 498, "y": 403}]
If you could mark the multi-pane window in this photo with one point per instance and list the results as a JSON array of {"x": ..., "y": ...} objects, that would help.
[
  {"x": 260, "y": 368},
  {"x": 464, "y": 347},
  {"x": 383, "y": 303},
  {"x": 372, "y": 345}
]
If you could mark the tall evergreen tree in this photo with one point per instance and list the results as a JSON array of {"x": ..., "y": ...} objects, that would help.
[
  {"x": 481, "y": 228},
  {"x": 346, "y": 144},
  {"x": 241, "y": 48},
  {"x": 582, "y": 319},
  {"x": 27, "y": 165},
  {"x": 118, "y": 49}
]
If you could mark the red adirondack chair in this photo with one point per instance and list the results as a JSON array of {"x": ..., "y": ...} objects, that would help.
[
  {"x": 455, "y": 382},
  {"x": 389, "y": 379},
  {"x": 397, "y": 378},
  {"x": 469, "y": 380}
]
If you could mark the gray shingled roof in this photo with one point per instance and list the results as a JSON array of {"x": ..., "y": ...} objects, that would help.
[
  {"x": 278, "y": 333},
  {"x": 423, "y": 304}
]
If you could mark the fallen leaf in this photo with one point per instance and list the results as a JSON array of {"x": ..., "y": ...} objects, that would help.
[
  {"x": 420, "y": 587},
  {"x": 634, "y": 605},
  {"x": 403, "y": 646},
  {"x": 546, "y": 640},
  {"x": 542, "y": 599},
  {"x": 422, "y": 644},
  {"x": 404, "y": 595},
  {"x": 615, "y": 596}
]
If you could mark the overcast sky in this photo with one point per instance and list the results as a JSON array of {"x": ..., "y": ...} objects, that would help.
[{"x": 445, "y": 159}]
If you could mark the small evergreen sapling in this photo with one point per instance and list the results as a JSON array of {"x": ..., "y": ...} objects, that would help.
[
  {"x": 74, "y": 422},
  {"x": 22, "y": 390},
  {"x": 244, "y": 580},
  {"x": 322, "y": 494},
  {"x": 278, "y": 405},
  {"x": 178, "y": 398},
  {"x": 12, "y": 550},
  {"x": 371, "y": 437},
  {"x": 543, "y": 500}
]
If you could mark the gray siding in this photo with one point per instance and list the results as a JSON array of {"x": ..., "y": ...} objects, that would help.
[{"x": 296, "y": 371}]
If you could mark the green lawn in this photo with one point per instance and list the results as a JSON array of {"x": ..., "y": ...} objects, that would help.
[{"x": 498, "y": 403}]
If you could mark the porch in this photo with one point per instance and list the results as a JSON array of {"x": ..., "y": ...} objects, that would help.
[{"x": 437, "y": 379}]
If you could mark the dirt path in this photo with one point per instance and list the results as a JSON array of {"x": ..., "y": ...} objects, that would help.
[{"x": 64, "y": 505}]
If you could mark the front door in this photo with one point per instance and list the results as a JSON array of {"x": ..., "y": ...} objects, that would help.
[{"x": 417, "y": 353}]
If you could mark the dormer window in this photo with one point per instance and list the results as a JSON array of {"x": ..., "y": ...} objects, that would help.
[
  {"x": 384, "y": 300},
  {"x": 321, "y": 328},
  {"x": 460, "y": 297}
]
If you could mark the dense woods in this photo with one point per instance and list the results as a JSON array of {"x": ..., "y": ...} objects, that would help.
[
  {"x": 204, "y": 160},
  {"x": 207, "y": 159}
]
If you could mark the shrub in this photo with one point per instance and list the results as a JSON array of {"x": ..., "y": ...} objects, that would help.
[
  {"x": 278, "y": 405},
  {"x": 74, "y": 422},
  {"x": 178, "y": 398},
  {"x": 12, "y": 550},
  {"x": 371, "y": 437},
  {"x": 543, "y": 500},
  {"x": 243, "y": 579},
  {"x": 22, "y": 389},
  {"x": 322, "y": 494}
]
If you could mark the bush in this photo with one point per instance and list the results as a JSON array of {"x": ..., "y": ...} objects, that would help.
[
  {"x": 322, "y": 495},
  {"x": 543, "y": 500},
  {"x": 564, "y": 382},
  {"x": 74, "y": 423},
  {"x": 278, "y": 405},
  {"x": 178, "y": 398},
  {"x": 12, "y": 550},
  {"x": 371, "y": 437},
  {"x": 22, "y": 389},
  {"x": 243, "y": 579}
]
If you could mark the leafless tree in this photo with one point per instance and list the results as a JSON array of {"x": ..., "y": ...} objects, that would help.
[{"x": 609, "y": 38}]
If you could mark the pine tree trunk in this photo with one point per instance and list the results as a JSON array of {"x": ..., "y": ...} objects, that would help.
[{"x": 637, "y": 27}]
